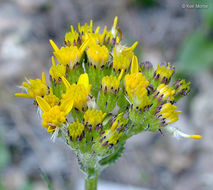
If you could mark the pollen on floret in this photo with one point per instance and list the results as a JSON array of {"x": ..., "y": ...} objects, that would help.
[
  {"x": 76, "y": 130},
  {"x": 94, "y": 117},
  {"x": 98, "y": 55},
  {"x": 164, "y": 92},
  {"x": 169, "y": 113}
]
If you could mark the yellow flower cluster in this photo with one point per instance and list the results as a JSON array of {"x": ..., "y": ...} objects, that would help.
[{"x": 100, "y": 77}]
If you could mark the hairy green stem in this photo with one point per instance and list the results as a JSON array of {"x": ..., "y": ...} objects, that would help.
[{"x": 91, "y": 181}]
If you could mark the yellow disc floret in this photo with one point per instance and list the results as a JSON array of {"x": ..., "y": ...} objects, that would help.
[
  {"x": 94, "y": 117},
  {"x": 75, "y": 130},
  {"x": 98, "y": 55}
]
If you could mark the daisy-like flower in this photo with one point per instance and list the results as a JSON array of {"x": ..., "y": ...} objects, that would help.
[
  {"x": 77, "y": 92},
  {"x": 34, "y": 88}
]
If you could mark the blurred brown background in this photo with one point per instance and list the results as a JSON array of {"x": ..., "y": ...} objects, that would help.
[{"x": 166, "y": 31}]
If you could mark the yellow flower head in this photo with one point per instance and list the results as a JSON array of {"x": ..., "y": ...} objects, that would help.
[
  {"x": 54, "y": 116},
  {"x": 71, "y": 38},
  {"x": 164, "y": 73},
  {"x": 57, "y": 71},
  {"x": 98, "y": 55},
  {"x": 77, "y": 92},
  {"x": 111, "y": 137},
  {"x": 164, "y": 92},
  {"x": 96, "y": 37},
  {"x": 168, "y": 113},
  {"x": 76, "y": 131},
  {"x": 112, "y": 35},
  {"x": 69, "y": 55},
  {"x": 135, "y": 85},
  {"x": 182, "y": 87},
  {"x": 85, "y": 28},
  {"x": 34, "y": 88},
  {"x": 111, "y": 83},
  {"x": 51, "y": 99},
  {"x": 94, "y": 117}
]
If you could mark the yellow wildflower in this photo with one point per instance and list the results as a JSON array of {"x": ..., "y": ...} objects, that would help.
[
  {"x": 57, "y": 71},
  {"x": 69, "y": 55},
  {"x": 164, "y": 73},
  {"x": 135, "y": 85},
  {"x": 94, "y": 117},
  {"x": 77, "y": 92},
  {"x": 54, "y": 116},
  {"x": 98, "y": 55},
  {"x": 34, "y": 88},
  {"x": 76, "y": 131},
  {"x": 168, "y": 113},
  {"x": 71, "y": 38},
  {"x": 111, "y": 83},
  {"x": 51, "y": 99},
  {"x": 164, "y": 92}
]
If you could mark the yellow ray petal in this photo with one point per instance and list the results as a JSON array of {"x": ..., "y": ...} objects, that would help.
[
  {"x": 54, "y": 46},
  {"x": 71, "y": 28},
  {"x": 131, "y": 48},
  {"x": 195, "y": 136},
  {"x": 51, "y": 129},
  {"x": 67, "y": 105},
  {"x": 115, "y": 22},
  {"x": 134, "y": 66},
  {"x": 84, "y": 79},
  {"x": 23, "y": 95},
  {"x": 53, "y": 61},
  {"x": 84, "y": 46},
  {"x": 103, "y": 35},
  {"x": 121, "y": 74},
  {"x": 45, "y": 107},
  {"x": 97, "y": 30},
  {"x": 91, "y": 26},
  {"x": 43, "y": 79},
  {"x": 66, "y": 83}
]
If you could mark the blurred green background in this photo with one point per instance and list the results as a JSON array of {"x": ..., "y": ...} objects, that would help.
[{"x": 166, "y": 32}]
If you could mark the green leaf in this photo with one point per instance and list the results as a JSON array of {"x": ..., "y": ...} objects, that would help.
[
  {"x": 196, "y": 53},
  {"x": 113, "y": 157},
  {"x": 45, "y": 178}
]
